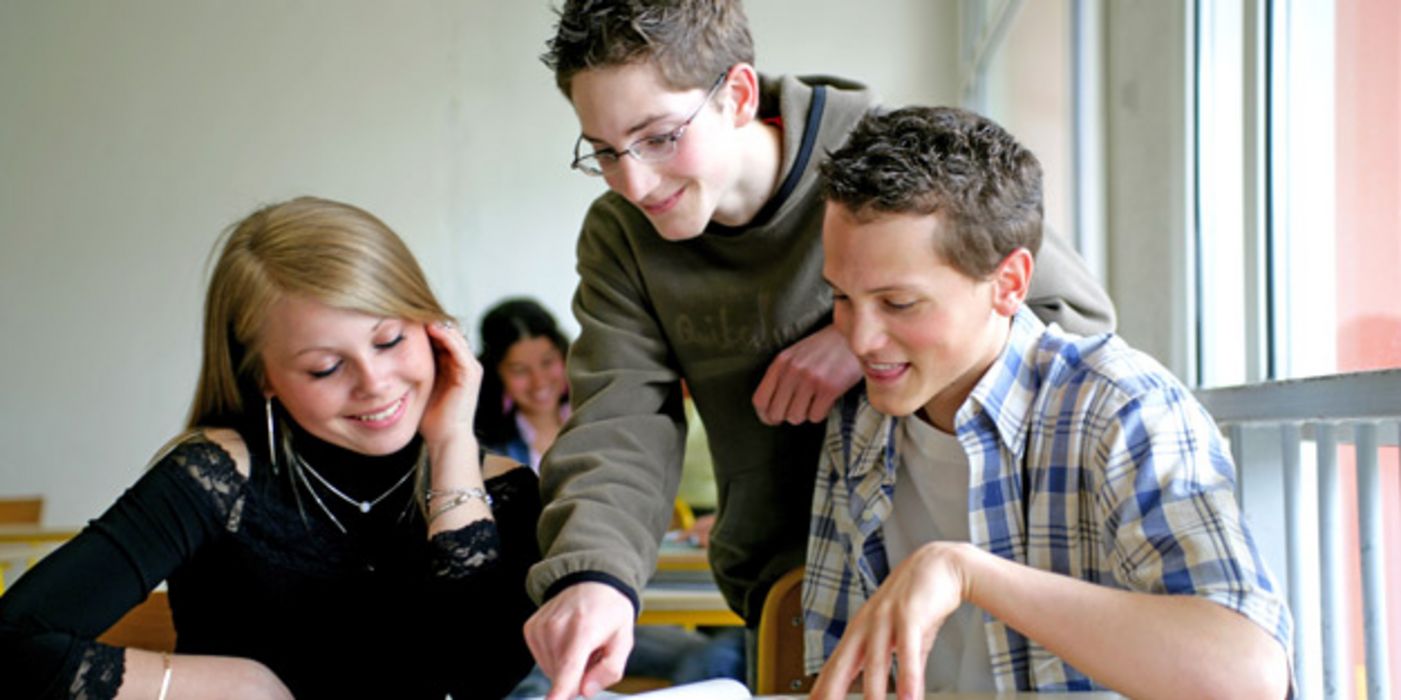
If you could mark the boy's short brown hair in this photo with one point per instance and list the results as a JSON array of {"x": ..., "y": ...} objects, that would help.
[
  {"x": 690, "y": 41},
  {"x": 959, "y": 166}
]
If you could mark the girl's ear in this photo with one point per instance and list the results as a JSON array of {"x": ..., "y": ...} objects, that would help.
[{"x": 1011, "y": 280}]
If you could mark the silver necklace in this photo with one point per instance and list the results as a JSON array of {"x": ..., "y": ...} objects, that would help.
[
  {"x": 364, "y": 506},
  {"x": 296, "y": 467}
]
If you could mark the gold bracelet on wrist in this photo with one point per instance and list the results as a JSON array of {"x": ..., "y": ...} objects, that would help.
[{"x": 165, "y": 677}]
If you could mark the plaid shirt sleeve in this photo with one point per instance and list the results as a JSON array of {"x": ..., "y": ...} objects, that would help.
[{"x": 1168, "y": 509}]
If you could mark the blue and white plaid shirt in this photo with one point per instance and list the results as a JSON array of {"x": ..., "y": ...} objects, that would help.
[{"x": 1087, "y": 458}]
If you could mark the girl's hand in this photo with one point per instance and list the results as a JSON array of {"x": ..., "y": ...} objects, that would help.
[{"x": 452, "y": 406}]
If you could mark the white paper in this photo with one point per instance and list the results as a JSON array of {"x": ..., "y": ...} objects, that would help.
[{"x": 715, "y": 689}]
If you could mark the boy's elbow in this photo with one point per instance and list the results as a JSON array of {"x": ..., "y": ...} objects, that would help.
[{"x": 1262, "y": 673}]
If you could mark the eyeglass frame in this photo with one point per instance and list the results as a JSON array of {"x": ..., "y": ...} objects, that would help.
[{"x": 670, "y": 140}]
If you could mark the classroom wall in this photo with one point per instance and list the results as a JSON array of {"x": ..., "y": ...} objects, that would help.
[
  {"x": 132, "y": 133},
  {"x": 1147, "y": 202}
]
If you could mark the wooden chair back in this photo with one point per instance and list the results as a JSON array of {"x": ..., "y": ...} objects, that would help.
[
  {"x": 21, "y": 510},
  {"x": 780, "y": 643},
  {"x": 146, "y": 626}
]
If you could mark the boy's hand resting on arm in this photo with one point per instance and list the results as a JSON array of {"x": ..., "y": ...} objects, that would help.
[
  {"x": 900, "y": 621},
  {"x": 1142, "y": 645},
  {"x": 581, "y": 639},
  {"x": 805, "y": 380}
]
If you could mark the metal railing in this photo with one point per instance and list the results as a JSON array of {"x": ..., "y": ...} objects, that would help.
[{"x": 1286, "y": 438}]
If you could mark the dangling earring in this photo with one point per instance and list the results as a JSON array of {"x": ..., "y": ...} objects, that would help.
[{"x": 272, "y": 451}]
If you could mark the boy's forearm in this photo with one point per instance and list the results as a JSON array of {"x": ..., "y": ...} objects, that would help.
[
  {"x": 1140, "y": 644},
  {"x": 606, "y": 502}
]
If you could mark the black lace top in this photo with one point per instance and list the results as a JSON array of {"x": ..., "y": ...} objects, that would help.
[{"x": 256, "y": 568}]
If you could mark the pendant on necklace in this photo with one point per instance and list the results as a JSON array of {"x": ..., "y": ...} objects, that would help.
[{"x": 364, "y": 506}]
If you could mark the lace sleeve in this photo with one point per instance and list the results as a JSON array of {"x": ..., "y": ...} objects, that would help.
[
  {"x": 51, "y": 616},
  {"x": 99, "y": 673},
  {"x": 462, "y": 552},
  {"x": 483, "y": 544},
  {"x": 489, "y": 559}
]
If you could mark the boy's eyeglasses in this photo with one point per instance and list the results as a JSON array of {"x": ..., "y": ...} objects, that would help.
[{"x": 650, "y": 149}]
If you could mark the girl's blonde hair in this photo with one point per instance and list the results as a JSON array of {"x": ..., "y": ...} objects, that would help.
[{"x": 327, "y": 251}]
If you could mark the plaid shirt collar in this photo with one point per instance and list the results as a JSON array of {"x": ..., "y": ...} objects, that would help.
[{"x": 1005, "y": 393}]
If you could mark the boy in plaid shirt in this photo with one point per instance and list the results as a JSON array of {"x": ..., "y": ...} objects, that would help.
[{"x": 1002, "y": 505}]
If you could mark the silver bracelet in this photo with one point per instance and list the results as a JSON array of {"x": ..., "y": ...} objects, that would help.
[{"x": 459, "y": 496}]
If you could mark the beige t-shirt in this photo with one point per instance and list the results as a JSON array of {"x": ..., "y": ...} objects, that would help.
[{"x": 930, "y": 504}]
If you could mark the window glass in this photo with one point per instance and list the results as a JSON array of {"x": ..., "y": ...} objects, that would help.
[{"x": 1367, "y": 119}]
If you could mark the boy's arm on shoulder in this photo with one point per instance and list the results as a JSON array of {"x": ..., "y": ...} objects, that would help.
[
  {"x": 806, "y": 379},
  {"x": 1064, "y": 292}
]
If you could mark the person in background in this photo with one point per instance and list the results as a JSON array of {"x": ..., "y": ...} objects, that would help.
[
  {"x": 327, "y": 525},
  {"x": 701, "y": 262},
  {"x": 1003, "y": 505},
  {"x": 525, "y": 398}
]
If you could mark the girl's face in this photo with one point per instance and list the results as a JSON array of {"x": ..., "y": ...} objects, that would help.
[
  {"x": 357, "y": 381},
  {"x": 532, "y": 374}
]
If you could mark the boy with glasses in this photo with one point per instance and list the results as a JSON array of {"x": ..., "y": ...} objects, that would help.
[
  {"x": 702, "y": 263},
  {"x": 1003, "y": 505}
]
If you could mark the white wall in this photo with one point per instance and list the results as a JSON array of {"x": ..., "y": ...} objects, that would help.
[
  {"x": 1029, "y": 92},
  {"x": 1149, "y": 139},
  {"x": 132, "y": 133}
]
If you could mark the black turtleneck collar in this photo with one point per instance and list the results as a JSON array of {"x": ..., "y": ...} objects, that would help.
[{"x": 359, "y": 475}]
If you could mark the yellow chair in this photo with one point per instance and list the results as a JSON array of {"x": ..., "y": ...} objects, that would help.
[
  {"x": 682, "y": 517},
  {"x": 780, "y": 643},
  {"x": 146, "y": 626}
]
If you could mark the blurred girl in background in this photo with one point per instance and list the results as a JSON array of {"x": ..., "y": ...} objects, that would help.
[{"x": 525, "y": 397}]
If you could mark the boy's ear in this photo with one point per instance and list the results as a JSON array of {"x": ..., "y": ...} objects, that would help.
[
  {"x": 741, "y": 91},
  {"x": 1011, "y": 281}
]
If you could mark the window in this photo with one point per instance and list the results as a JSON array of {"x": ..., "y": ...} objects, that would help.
[
  {"x": 1297, "y": 193},
  {"x": 1298, "y": 189}
]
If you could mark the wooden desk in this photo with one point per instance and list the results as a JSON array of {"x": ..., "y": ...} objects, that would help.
[
  {"x": 683, "y": 592},
  {"x": 688, "y": 606},
  {"x": 36, "y": 534},
  {"x": 15, "y": 557},
  {"x": 681, "y": 556}
]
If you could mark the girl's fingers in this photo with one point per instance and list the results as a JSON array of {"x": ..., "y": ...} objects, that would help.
[{"x": 452, "y": 339}]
